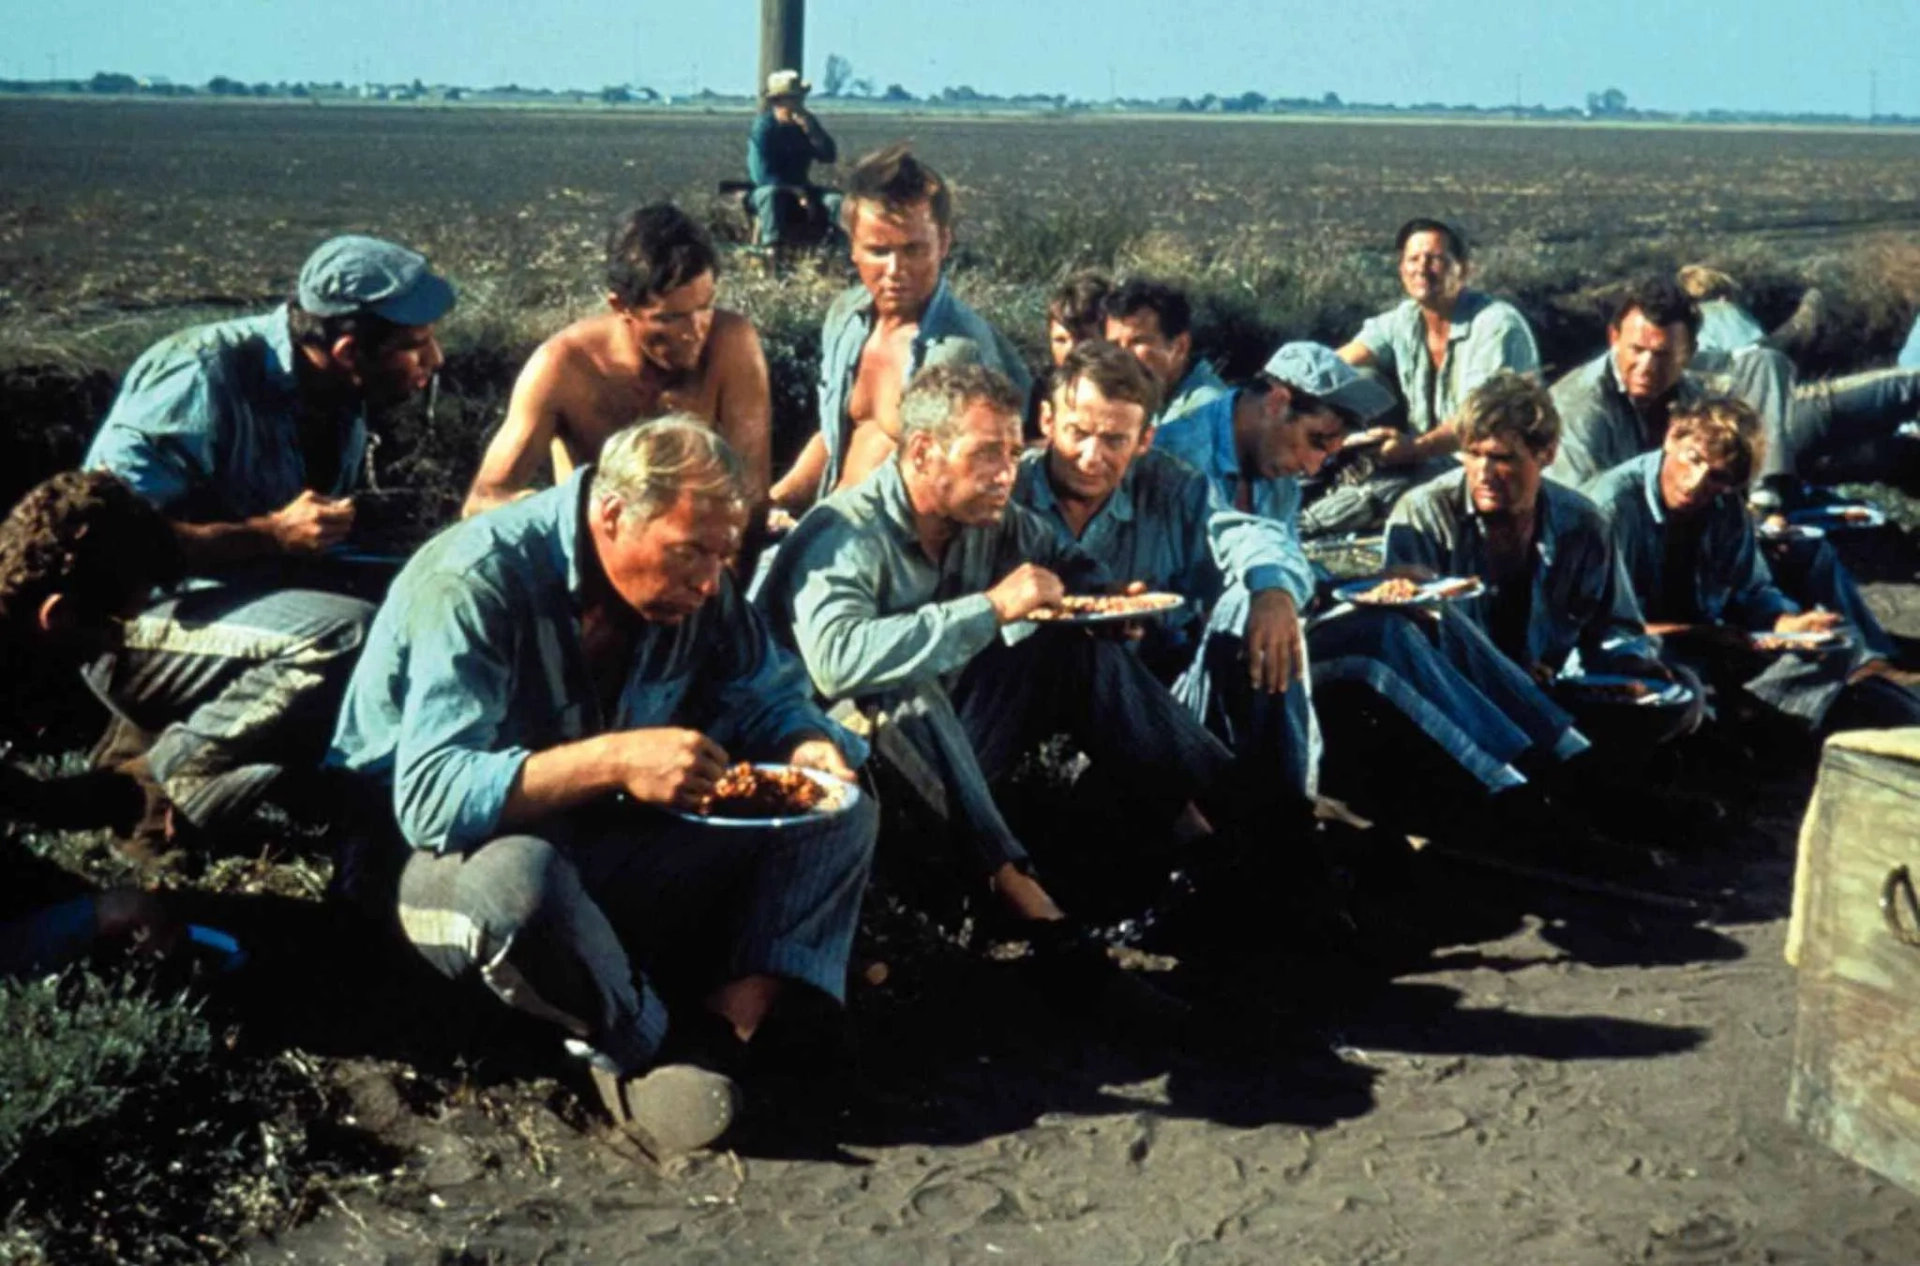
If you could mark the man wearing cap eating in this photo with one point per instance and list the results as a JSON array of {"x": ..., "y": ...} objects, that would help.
[
  {"x": 250, "y": 437},
  {"x": 785, "y": 142}
]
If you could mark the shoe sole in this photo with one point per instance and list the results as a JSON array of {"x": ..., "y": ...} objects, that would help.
[{"x": 672, "y": 1110}]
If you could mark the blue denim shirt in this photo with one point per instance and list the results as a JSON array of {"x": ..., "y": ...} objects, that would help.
[
  {"x": 1201, "y": 385},
  {"x": 1165, "y": 525},
  {"x": 1582, "y": 600},
  {"x": 206, "y": 425},
  {"x": 780, "y": 153},
  {"x": 1725, "y": 326},
  {"x": 1732, "y": 583},
  {"x": 1600, "y": 427},
  {"x": 1203, "y": 439},
  {"x": 853, "y": 591},
  {"x": 950, "y": 333},
  {"x": 1910, "y": 354},
  {"x": 474, "y": 663},
  {"x": 1485, "y": 336}
]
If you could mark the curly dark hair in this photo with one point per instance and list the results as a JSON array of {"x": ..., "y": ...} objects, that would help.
[
  {"x": 85, "y": 534},
  {"x": 1168, "y": 303},
  {"x": 656, "y": 250}
]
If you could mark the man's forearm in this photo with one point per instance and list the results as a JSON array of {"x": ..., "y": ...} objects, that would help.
[
  {"x": 558, "y": 779},
  {"x": 220, "y": 544}
]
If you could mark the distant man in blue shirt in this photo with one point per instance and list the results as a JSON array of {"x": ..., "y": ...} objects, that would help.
[
  {"x": 547, "y": 692},
  {"x": 250, "y": 437},
  {"x": 787, "y": 140},
  {"x": 1151, "y": 518},
  {"x": 1678, "y": 518},
  {"x": 1154, "y": 321},
  {"x": 1440, "y": 343},
  {"x": 901, "y": 318}
]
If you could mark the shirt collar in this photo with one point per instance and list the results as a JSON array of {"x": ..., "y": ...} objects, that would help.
[
  {"x": 935, "y": 318},
  {"x": 586, "y": 578},
  {"x": 280, "y": 353},
  {"x": 1650, "y": 483},
  {"x": 896, "y": 508},
  {"x": 1545, "y": 516},
  {"x": 1469, "y": 305},
  {"x": 1118, "y": 507}
]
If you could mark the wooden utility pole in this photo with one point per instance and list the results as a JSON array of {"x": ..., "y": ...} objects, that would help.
[{"x": 783, "y": 28}]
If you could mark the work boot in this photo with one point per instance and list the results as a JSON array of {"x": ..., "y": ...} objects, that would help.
[
  {"x": 1801, "y": 331},
  {"x": 689, "y": 1098}
]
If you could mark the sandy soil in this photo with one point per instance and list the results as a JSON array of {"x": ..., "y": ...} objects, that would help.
[{"x": 1541, "y": 1076}]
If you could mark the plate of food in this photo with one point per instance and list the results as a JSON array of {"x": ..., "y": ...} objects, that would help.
[
  {"x": 1627, "y": 691},
  {"x": 1399, "y": 591},
  {"x": 1103, "y": 608},
  {"x": 1813, "y": 642},
  {"x": 1776, "y": 527},
  {"x": 771, "y": 795},
  {"x": 1840, "y": 516}
]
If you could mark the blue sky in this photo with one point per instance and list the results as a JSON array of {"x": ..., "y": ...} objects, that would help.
[{"x": 1787, "y": 55}]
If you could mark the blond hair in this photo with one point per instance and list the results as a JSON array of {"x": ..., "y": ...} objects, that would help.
[
  {"x": 648, "y": 466},
  {"x": 1705, "y": 283},
  {"x": 1728, "y": 429},
  {"x": 1510, "y": 404}
]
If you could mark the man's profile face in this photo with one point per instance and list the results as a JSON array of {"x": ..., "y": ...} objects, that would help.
[
  {"x": 666, "y": 568},
  {"x": 970, "y": 479},
  {"x": 1140, "y": 333},
  {"x": 1503, "y": 475},
  {"x": 671, "y": 330},
  {"x": 1649, "y": 358},
  {"x": 898, "y": 255},
  {"x": 1295, "y": 442},
  {"x": 395, "y": 371},
  {"x": 1429, "y": 272},
  {"x": 1091, "y": 441},
  {"x": 1691, "y": 478}
]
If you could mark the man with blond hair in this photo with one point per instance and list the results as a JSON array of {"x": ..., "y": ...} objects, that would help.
[
  {"x": 1678, "y": 518},
  {"x": 896, "y": 594},
  {"x": 900, "y": 318},
  {"x": 548, "y": 693},
  {"x": 661, "y": 347}
]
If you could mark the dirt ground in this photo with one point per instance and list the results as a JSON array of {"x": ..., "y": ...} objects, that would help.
[{"x": 1520, "y": 1072}]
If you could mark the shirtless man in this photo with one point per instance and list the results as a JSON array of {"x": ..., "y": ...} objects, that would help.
[
  {"x": 664, "y": 348},
  {"x": 900, "y": 319}
]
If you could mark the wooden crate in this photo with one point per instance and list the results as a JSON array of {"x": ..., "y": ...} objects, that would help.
[{"x": 1856, "y": 1048}]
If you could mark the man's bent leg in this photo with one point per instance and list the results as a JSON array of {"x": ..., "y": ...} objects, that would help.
[
  {"x": 925, "y": 720},
  {"x": 515, "y": 912},
  {"x": 1841, "y": 413},
  {"x": 238, "y": 686}
]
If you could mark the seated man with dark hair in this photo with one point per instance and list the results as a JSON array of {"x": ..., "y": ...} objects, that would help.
[
  {"x": 786, "y": 141},
  {"x": 663, "y": 347},
  {"x": 1678, "y": 519},
  {"x": 1074, "y": 316},
  {"x": 1440, "y": 343},
  {"x": 901, "y": 318},
  {"x": 79, "y": 555},
  {"x": 1150, "y": 517},
  {"x": 545, "y": 697},
  {"x": 1154, "y": 321},
  {"x": 250, "y": 436},
  {"x": 896, "y": 593}
]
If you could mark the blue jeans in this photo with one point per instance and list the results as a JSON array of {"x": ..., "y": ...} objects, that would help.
[
  {"x": 238, "y": 685},
  {"x": 1806, "y": 421},
  {"x": 778, "y": 213},
  {"x": 578, "y": 926}
]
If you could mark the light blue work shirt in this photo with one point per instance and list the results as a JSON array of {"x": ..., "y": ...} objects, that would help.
[
  {"x": 1581, "y": 598},
  {"x": 1164, "y": 525},
  {"x": 1725, "y": 326},
  {"x": 950, "y": 333},
  {"x": 1910, "y": 354},
  {"x": 854, "y": 592},
  {"x": 1204, "y": 440},
  {"x": 1485, "y": 335},
  {"x": 781, "y": 153},
  {"x": 1600, "y": 427},
  {"x": 206, "y": 425},
  {"x": 1732, "y": 583},
  {"x": 474, "y": 663},
  {"x": 1200, "y": 385}
]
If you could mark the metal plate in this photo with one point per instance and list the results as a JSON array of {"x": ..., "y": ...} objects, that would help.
[
  {"x": 1663, "y": 694},
  {"x": 1440, "y": 589},
  {"x": 842, "y": 796},
  {"x": 1841, "y": 516},
  {"x": 1833, "y": 643},
  {"x": 1165, "y": 602}
]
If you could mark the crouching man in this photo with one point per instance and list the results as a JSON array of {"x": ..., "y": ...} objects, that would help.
[
  {"x": 896, "y": 591},
  {"x": 546, "y": 687}
]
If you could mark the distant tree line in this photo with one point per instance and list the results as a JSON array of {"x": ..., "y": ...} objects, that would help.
[{"x": 839, "y": 82}]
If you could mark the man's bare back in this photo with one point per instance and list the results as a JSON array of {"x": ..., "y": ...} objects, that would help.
[{"x": 590, "y": 379}]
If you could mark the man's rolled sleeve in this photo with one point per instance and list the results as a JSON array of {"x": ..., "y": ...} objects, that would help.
[
  {"x": 450, "y": 784},
  {"x": 158, "y": 439},
  {"x": 1376, "y": 335}
]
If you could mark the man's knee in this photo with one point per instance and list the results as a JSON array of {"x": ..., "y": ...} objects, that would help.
[{"x": 512, "y": 884}]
